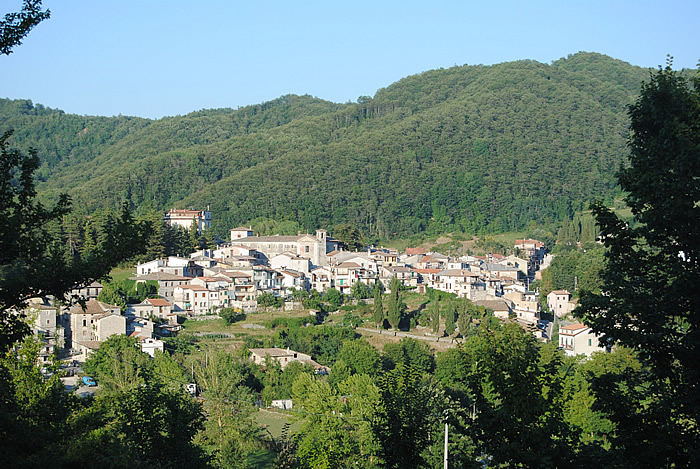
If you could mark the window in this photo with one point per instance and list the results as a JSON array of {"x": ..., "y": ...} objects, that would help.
[
  {"x": 307, "y": 248},
  {"x": 590, "y": 342}
]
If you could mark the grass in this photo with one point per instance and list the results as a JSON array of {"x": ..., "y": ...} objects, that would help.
[
  {"x": 118, "y": 274},
  {"x": 261, "y": 459},
  {"x": 274, "y": 422}
]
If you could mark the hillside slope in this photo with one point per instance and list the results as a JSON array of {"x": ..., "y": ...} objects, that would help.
[{"x": 473, "y": 148}]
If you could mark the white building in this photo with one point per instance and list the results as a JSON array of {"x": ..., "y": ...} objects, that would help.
[
  {"x": 579, "y": 339},
  {"x": 149, "y": 346},
  {"x": 185, "y": 219}
]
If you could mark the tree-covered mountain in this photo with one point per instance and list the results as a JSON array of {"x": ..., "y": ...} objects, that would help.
[{"x": 470, "y": 148}]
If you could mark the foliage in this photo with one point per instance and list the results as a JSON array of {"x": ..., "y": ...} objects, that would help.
[
  {"x": 360, "y": 291},
  {"x": 396, "y": 308},
  {"x": 409, "y": 352},
  {"x": 34, "y": 258},
  {"x": 268, "y": 300},
  {"x": 323, "y": 343},
  {"x": 333, "y": 297},
  {"x": 649, "y": 296},
  {"x": 119, "y": 364},
  {"x": 450, "y": 316},
  {"x": 15, "y": 26},
  {"x": 515, "y": 391},
  {"x": 378, "y": 316},
  {"x": 574, "y": 270},
  {"x": 349, "y": 236},
  {"x": 443, "y": 151},
  {"x": 230, "y": 316}
]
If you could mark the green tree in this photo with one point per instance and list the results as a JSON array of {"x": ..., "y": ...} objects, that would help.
[
  {"x": 409, "y": 352},
  {"x": 33, "y": 262},
  {"x": 435, "y": 315},
  {"x": 649, "y": 295},
  {"x": 333, "y": 297},
  {"x": 361, "y": 357},
  {"x": 349, "y": 236},
  {"x": 360, "y": 291},
  {"x": 395, "y": 306},
  {"x": 230, "y": 315},
  {"x": 449, "y": 314},
  {"x": 119, "y": 364},
  {"x": 378, "y": 316},
  {"x": 15, "y": 26},
  {"x": 229, "y": 427}
]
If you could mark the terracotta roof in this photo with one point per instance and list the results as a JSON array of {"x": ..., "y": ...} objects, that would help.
[
  {"x": 158, "y": 301},
  {"x": 560, "y": 292},
  {"x": 427, "y": 271},
  {"x": 414, "y": 251},
  {"x": 348, "y": 265},
  {"x": 573, "y": 327},
  {"x": 457, "y": 273},
  {"x": 495, "y": 305},
  {"x": 194, "y": 287},
  {"x": 94, "y": 307}
]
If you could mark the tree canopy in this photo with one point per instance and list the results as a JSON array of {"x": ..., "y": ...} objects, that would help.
[{"x": 649, "y": 293}]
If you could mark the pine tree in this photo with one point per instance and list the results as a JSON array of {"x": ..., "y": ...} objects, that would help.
[
  {"x": 435, "y": 315},
  {"x": 378, "y": 308}
]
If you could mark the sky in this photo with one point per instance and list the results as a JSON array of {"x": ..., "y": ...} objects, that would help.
[{"x": 153, "y": 58}]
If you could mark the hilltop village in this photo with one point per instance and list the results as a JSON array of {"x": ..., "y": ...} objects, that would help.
[{"x": 237, "y": 274}]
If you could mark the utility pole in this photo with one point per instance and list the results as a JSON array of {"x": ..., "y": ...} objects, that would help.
[{"x": 446, "y": 432}]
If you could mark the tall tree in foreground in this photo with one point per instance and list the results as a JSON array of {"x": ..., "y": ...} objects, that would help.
[
  {"x": 649, "y": 299},
  {"x": 36, "y": 262}
]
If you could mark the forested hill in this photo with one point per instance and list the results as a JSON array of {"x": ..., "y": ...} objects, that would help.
[{"x": 472, "y": 148}]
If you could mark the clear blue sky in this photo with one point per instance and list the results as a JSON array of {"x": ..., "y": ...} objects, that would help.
[{"x": 154, "y": 58}]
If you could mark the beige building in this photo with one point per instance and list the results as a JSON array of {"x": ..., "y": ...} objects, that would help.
[
  {"x": 185, "y": 218},
  {"x": 579, "y": 339},
  {"x": 306, "y": 246},
  {"x": 283, "y": 356},
  {"x": 94, "y": 324},
  {"x": 559, "y": 302}
]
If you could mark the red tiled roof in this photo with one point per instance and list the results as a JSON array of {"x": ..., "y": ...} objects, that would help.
[{"x": 158, "y": 301}]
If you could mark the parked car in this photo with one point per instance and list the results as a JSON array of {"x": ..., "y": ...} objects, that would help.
[{"x": 88, "y": 381}]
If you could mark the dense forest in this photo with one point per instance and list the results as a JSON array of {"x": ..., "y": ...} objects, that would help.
[{"x": 470, "y": 148}]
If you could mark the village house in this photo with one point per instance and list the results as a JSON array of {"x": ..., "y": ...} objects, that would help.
[
  {"x": 195, "y": 299},
  {"x": 307, "y": 246},
  {"x": 579, "y": 339},
  {"x": 501, "y": 308},
  {"x": 384, "y": 257},
  {"x": 461, "y": 282},
  {"x": 406, "y": 275},
  {"x": 289, "y": 260},
  {"x": 186, "y": 218},
  {"x": 284, "y": 357},
  {"x": 94, "y": 324},
  {"x": 345, "y": 275},
  {"x": 172, "y": 265},
  {"x": 89, "y": 292},
  {"x": 292, "y": 279},
  {"x": 321, "y": 279},
  {"x": 525, "y": 306},
  {"x": 433, "y": 261},
  {"x": 153, "y": 308},
  {"x": 559, "y": 302},
  {"x": 150, "y": 345},
  {"x": 166, "y": 282},
  {"x": 42, "y": 318}
]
